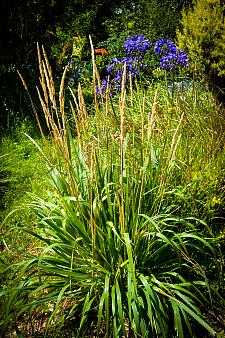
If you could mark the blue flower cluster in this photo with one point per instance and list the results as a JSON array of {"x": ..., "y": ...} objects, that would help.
[
  {"x": 171, "y": 57},
  {"x": 134, "y": 48},
  {"x": 136, "y": 45}
]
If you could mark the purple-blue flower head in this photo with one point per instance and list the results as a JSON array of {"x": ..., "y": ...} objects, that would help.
[
  {"x": 167, "y": 62},
  {"x": 109, "y": 68},
  {"x": 136, "y": 44},
  {"x": 104, "y": 82},
  {"x": 115, "y": 60},
  {"x": 164, "y": 46},
  {"x": 182, "y": 58},
  {"x": 170, "y": 55}
]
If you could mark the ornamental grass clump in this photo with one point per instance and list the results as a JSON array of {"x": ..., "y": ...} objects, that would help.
[{"x": 115, "y": 262}]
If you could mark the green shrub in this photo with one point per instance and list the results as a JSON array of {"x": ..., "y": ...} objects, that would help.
[{"x": 202, "y": 35}]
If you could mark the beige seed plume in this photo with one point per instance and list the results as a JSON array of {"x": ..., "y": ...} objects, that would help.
[{"x": 152, "y": 118}]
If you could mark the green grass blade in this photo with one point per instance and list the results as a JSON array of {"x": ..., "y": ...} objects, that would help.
[
  {"x": 120, "y": 308},
  {"x": 177, "y": 319}
]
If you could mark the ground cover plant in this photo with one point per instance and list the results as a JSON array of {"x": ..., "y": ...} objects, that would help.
[{"x": 123, "y": 251}]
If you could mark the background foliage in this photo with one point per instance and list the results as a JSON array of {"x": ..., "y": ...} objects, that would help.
[
  {"x": 56, "y": 25},
  {"x": 202, "y": 35}
]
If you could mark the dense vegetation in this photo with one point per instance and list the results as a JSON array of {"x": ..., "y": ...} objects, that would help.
[
  {"x": 112, "y": 169},
  {"x": 201, "y": 33},
  {"x": 57, "y": 25}
]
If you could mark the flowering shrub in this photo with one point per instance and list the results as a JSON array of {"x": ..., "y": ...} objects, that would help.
[
  {"x": 134, "y": 47},
  {"x": 171, "y": 57}
]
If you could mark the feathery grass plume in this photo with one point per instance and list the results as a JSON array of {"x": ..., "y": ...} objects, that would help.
[
  {"x": 123, "y": 106},
  {"x": 78, "y": 116},
  {"x": 83, "y": 110},
  {"x": 51, "y": 80},
  {"x": 65, "y": 129},
  {"x": 170, "y": 157},
  {"x": 93, "y": 63},
  {"x": 122, "y": 149},
  {"x": 59, "y": 130},
  {"x": 58, "y": 125},
  {"x": 47, "y": 82},
  {"x": 107, "y": 97},
  {"x": 46, "y": 85},
  {"x": 92, "y": 177},
  {"x": 131, "y": 92},
  {"x": 62, "y": 101},
  {"x": 77, "y": 124},
  {"x": 43, "y": 76},
  {"x": 95, "y": 73},
  {"x": 96, "y": 76},
  {"x": 143, "y": 120},
  {"x": 175, "y": 140},
  {"x": 108, "y": 118},
  {"x": 152, "y": 118}
]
